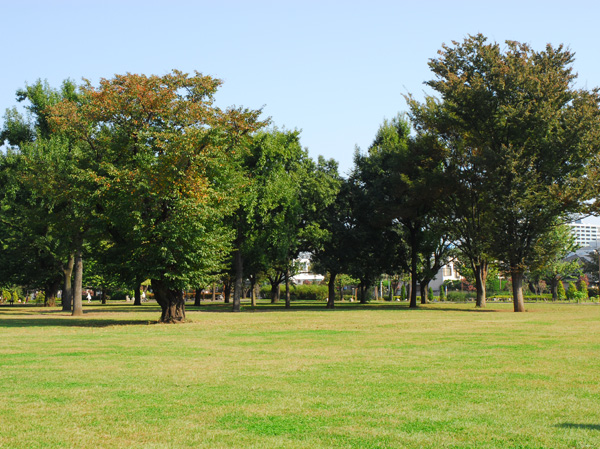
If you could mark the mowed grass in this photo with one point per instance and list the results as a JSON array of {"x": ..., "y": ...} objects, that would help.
[{"x": 380, "y": 376}]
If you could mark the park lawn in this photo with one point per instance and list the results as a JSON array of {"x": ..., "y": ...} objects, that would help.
[{"x": 380, "y": 376}]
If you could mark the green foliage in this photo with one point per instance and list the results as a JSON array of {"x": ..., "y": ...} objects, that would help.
[
  {"x": 461, "y": 296},
  {"x": 6, "y": 295},
  {"x": 442, "y": 293},
  {"x": 40, "y": 297},
  {"x": 560, "y": 290},
  {"x": 530, "y": 138},
  {"x": 306, "y": 292},
  {"x": 403, "y": 292},
  {"x": 430, "y": 294},
  {"x": 572, "y": 291}
]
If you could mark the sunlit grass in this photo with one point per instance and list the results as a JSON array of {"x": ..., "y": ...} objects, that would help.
[{"x": 380, "y": 376}]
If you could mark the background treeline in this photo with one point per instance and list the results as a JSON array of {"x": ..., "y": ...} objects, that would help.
[{"x": 143, "y": 177}]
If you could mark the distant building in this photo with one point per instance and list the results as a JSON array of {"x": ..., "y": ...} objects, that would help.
[
  {"x": 585, "y": 234},
  {"x": 447, "y": 273},
  {"x": 304, "y": 275}
]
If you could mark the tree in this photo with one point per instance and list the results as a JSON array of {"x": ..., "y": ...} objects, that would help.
[
  {"x": 550, "y": 258},
  {"x": 162, "y": 161},
  {"x": 531, "y": 134},
  {"x": 42, "y": 212},
  {"x": 402, "y": 177}
]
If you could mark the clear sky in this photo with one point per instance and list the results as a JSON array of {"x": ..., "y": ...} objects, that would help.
[{"x": 334, "y": 69}]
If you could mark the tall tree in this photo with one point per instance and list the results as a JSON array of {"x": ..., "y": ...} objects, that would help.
[
  {"x": 531, "y": 136},
  {"x": 162, "y": 156},
  {"x": 55, "y": 210},
  {"x": 403, "y": 179}
]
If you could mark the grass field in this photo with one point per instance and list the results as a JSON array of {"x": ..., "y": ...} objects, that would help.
[{"x": 443, "y": 376}]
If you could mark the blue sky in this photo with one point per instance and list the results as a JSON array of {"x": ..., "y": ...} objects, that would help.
[{"x": 334, "y": 69}]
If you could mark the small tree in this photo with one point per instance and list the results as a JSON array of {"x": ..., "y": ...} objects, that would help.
[
  {"x": 560, "y": 290},
  {"x": 572, "y": 291},
  {"x": 403, "y": 292},
  {"x": 582, "y": 286},
  {"x": 430, "y": 294},
  {"x": 442, "y": 296}
]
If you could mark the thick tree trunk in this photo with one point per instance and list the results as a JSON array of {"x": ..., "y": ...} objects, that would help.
[
  {"x": 274, "y": 293},
  {"x": 554, "y": 288},
  {"x": 424, "y": 289},
  {"x": 331, "y": 291},
  {"x": 214, "y": 291},
  {"x": 137, "y": 295},
  {"x": 480, "y": 272},
  {"x": 517, "y": 286},
  {"x": 171, "y": 302},
  {"x": 77, "y": 290},
  {"x": 227, "y": 292},
  {"x": 198, "y": 297},
  {"x": 238, "y": 263},
  {"x": 67, "y": 293},
  {"x": 363, "y": 293},
  {"x": 50, "y": 294},
  {"x": 103, "y": 296}
]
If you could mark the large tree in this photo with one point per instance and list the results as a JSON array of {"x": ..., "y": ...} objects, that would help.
[
  {"x": 51, "y": 208},
  {"x": 403, "y": 178},
  {"x": 161, "y": 156},
  {"x": 529, "y": 134}
]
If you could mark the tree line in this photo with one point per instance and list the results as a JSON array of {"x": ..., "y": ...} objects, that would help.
[{"x": 143, "y": 177}]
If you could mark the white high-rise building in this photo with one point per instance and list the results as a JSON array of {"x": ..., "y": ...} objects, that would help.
[{"x": 585, "y": 234}]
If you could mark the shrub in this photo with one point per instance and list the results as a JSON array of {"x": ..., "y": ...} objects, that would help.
[
  {"x": 40, "y": 297},
  {"x": 460, "y": 296},
  {"x": 442, "y": 298},
  {"x": 403, "y": 292},
  {"x": 120, "y": 295},
  {"x": 571, "y": 291},
  {"x": 583, "y": 288},
  {"x": 560, "y": 290}
]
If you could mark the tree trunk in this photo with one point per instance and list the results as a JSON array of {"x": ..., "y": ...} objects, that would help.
[
  {"x": 77, "y": 290},
  {"x": 554, "y": 288},
  {"x": 67, "y": 293},
  {"x": 363, "y": 293},
  {"x": 480, "y": 272},
  {"x": 214, "y": 291},
  {"x": 198, "y": 297},
  {"x": 288, "y": 302},
  {"x": 274, "y": 293},
  {"x": 517, "y": 286},
  {"x": 331, "y": 291},
  {"x": 137, "y": 295},
  {"x": 238, "y": 263},
  {"x": 253, "y": 290},
  {"x": 227, "y": 292},
  {"x": 424, "y": 289},
  {"x": 50, "y": 293},
  {"x": 171, "y": 302},
  {"x": 414, "y": 255},
  {"x": 103, "y": 296}
]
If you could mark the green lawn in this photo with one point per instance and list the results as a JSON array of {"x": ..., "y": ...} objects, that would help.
[{"x": 380, "y": 376}]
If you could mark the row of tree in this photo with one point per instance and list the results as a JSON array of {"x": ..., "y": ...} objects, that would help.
[{"x": 144, "y": 177}]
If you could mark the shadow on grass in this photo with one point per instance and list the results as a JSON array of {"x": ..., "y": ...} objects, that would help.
[
  {"x": 98, "y": 315},
  {"x": 569, "y": 425},
  {"x": 320, "y": 307},
  {"x": 71, "y": 322}
]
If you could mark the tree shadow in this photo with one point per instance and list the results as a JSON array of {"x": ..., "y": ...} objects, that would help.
[
  {"x": 70, "y": 322},
  {"x": 568, "y": 425}
]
